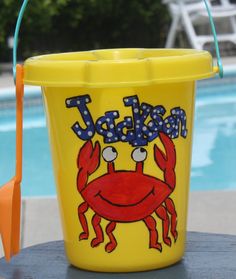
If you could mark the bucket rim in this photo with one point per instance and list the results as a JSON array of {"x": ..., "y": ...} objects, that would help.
[{"x": 118, "y": 67}]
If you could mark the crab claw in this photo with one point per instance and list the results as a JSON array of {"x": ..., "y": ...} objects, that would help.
[
  {"x": 89, "y": 158},
  {"x": 166, "y": 161}
]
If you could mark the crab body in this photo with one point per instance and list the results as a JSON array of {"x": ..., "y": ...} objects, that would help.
[
  {"x": 122, "y": 196},
  {"x": 125, "y": 196}
]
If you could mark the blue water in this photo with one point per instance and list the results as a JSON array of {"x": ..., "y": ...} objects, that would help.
[
  {"x": 37, "y": 167},
  {"x": 214, "y": 144},
  {"x": 214, "y": 148}
]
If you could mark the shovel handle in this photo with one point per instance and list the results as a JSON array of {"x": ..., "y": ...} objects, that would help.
[{"x": 19, "y": 120}]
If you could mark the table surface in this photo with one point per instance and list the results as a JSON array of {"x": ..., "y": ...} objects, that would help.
[{"x": 207, "y": 256}]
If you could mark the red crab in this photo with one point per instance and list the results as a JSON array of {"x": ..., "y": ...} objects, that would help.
[{"x": 122, "y": 196}]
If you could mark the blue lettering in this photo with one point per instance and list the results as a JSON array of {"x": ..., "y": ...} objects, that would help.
[
  {"x": 80, "y": 103},
  {"x": 108, "y": 119},
  {"x": 143, "y": 127},
  {"x": 181, "y": 122},
  {"x": 140, "y": 114},
  {"x": 126, "y": 124}
]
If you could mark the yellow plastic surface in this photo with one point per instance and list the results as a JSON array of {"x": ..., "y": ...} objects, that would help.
[
  {"x": 132, "y": 252},
  {"x": 118, "y": 67},
  {"x": 156, "y": 77}
]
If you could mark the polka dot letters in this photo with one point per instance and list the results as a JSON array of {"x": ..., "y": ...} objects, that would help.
[
  {"x": 80, "y": 102},
  {"x": 142, "y": 126},
  {"x": 105, "y": 126}
]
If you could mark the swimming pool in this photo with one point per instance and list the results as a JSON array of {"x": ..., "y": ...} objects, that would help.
[{"x": 214, "y": 149}]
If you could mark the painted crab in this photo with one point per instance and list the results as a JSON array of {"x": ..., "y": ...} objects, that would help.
[{"x": 122, "y": 196}]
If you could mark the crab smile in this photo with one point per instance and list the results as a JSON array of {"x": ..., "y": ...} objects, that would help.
[{"x": 125, "y": 205}]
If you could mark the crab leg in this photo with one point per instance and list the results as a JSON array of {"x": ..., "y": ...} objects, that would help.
[
  {"x": 110, "y": 167},
  {"x": 113, "y": 243},
  {"x": 151, "y": 225},
  {"x": 82, "y": 208},
  {"x": 171, "y": 209},
  {"x": 139, "y": 167},
  {"x": 162, "y": 213},
  {"x": 98, "y": 231}
]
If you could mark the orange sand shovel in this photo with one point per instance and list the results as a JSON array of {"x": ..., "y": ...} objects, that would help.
[{"x": 10, "y": 193}]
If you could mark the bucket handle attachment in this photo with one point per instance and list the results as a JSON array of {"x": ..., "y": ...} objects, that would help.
[
  {"x": 16, "y": 36},
  {"x": 218, "y": 69},
  {"x": 219, "y": 63}
]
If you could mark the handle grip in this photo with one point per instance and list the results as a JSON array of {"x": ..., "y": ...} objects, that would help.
[
  {"x": 219, "y": 68},
  {"x": 19, "y": 120}
]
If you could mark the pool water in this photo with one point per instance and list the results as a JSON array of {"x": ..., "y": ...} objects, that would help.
[
  {"x": 214, "y": 146},
  {"x": 37, "y": 168},
  {"x": 214, "y": 142}
]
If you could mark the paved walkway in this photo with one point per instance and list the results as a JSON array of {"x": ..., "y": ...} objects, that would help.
[{"x": 6, "y": 80}]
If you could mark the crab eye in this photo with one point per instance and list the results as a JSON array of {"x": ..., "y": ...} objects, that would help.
[
  {"x": 139, "y": 154},
  {"x": 109, "y": 154}
]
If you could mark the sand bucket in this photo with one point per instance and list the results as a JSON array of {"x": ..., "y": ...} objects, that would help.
[
  {"x": 120, "y": 128},
  {"x": 120, "y": 125}
]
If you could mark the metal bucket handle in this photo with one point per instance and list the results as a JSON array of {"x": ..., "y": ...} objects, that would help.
[{"x": 25, "y": 2}]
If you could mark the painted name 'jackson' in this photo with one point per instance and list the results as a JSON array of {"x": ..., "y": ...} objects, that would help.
[{"x": 143, "y": 127}]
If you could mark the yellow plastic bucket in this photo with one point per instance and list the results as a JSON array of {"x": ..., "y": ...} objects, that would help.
[{"x": 120, "y": 124}]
